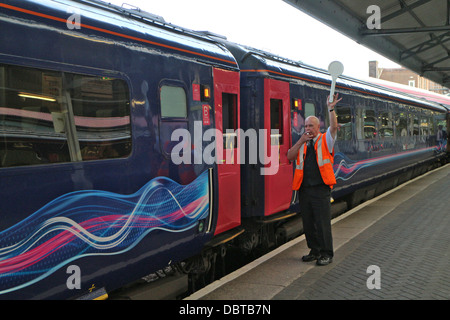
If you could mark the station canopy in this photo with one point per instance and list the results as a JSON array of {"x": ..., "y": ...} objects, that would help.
[{"x": 413, "y": 33}]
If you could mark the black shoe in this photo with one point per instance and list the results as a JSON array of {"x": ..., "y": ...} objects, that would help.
[
  {"x": 323, "y": 260},
  {"x": 310, "y": 257}
]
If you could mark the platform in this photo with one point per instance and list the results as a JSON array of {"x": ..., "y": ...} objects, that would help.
[{"x": 396, "y": 247}]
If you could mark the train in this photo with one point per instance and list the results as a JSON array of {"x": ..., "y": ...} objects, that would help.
[{"x": 129, "y": 145}]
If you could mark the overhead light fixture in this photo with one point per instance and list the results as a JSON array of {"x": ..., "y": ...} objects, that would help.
[{"x": 36, "y": 96}]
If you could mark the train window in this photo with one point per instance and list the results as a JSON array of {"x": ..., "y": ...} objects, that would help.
[
  {"x": 43, "y": 121},
  {"x": 102, "y": 118},
  {"x": 310, "y": 109},
  {"x": 424, "y": 126},
  {"x": 401, "y": 125},
  {"x": 359, "y": 123},
  {"x": 431, "y": 124},
  {"x": 344, "y": 117},
  {"x": 415, "y": 125},
  {"x": 276, "y": 121},
  {"x": 386, "y": 125},
  {"x": 370, "y": 129},
  {"x": 173, "y": 102},
  {"x": 229, "y": 120},
  {"x": 32, "y": 122}
]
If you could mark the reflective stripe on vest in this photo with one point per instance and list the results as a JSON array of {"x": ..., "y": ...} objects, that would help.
[{"x": 301, "y": 157}]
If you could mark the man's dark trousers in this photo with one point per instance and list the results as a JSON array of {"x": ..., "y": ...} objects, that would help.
[{"x": 315, "y": 208}]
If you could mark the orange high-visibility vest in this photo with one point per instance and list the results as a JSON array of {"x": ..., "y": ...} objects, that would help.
[{"x": 325, "y": 161}]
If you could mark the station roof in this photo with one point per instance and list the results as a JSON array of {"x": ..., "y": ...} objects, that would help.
[{"x": 412, "y": 33}]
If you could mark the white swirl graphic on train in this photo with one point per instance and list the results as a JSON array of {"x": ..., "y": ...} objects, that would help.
[{"x": 86, "y": 223}]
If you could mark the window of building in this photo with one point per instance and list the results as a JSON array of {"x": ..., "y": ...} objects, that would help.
[{"x": 51, "y": 117}]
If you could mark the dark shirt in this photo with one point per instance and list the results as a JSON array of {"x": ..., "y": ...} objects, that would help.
[{"x": 311, "y": 172}]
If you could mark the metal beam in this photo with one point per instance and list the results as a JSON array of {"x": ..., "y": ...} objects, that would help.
[
  {"x": 424, "y": 46},
  {"x": 337, "y": 16},
  {"x": 432, "y": 64},
  {"x": 446, "y": 69},
  {"x": 404, "y": 9},
  {"x": 384, "y": 32}
]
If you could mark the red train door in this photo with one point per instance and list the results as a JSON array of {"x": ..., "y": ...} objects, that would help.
[
  {"x": 226, "y": 100},
  {"x": 277, "y": 180}
]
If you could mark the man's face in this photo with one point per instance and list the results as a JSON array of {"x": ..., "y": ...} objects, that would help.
[{"x": 312, "y": 126}]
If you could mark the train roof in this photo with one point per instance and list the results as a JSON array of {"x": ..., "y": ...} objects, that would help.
[
  {"x": 123, "y": 25},
  {"x": 255, "y": 60},
  {"x": 147, "y": 29},
  {"x": 417, "y": 92}
]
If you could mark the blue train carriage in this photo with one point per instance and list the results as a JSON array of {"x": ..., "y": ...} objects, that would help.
[
  {"x": 384, "y": 135},
  {"x": 443, "y": 120},
  {"x": 90, "y": 195}
]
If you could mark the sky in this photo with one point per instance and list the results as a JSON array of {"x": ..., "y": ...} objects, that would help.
[{"x": 270, "y": 25}]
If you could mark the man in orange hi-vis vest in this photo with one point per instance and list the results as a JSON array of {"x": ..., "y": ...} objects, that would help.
[{"x": 314, "y": 178}]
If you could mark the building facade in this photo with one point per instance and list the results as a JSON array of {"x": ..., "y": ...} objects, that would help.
[{"x": 405, "y": 77}]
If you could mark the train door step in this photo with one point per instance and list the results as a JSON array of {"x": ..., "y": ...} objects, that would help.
[
  {"x": 225, "y": 237},
  {"x": 168, "y": 288}
]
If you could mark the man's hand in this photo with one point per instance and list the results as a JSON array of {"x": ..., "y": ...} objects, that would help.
[
  {"x": 292, "y": 152},
  {"x": 333, "y": 104}
]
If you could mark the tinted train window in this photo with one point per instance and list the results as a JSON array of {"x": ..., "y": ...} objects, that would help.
[
  {"x": 431, "y": 124},
  {"x": 229, "y": 120},
  {"x": 424, "y": 126},
  {"x": 32, "y": 117},
  {"x": 310, "y": 109},
  {"x": 173, "y": 116},
  {"x": 344, "y": 117},
  {"x": 401, "y": 125},
  {"x": 102, "y": 118},
  {"x": 414, "y": 124},
  {"x": 386, "y": 125},
  {"x": 43, "y": 121},
  {"x": 276, "y": 121},
  {"x": 370, "y": 129},
  {"x": 173, "y": 102}
]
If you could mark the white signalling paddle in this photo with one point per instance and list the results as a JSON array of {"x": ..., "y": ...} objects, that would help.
[{"x": 335, "y": 69}]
